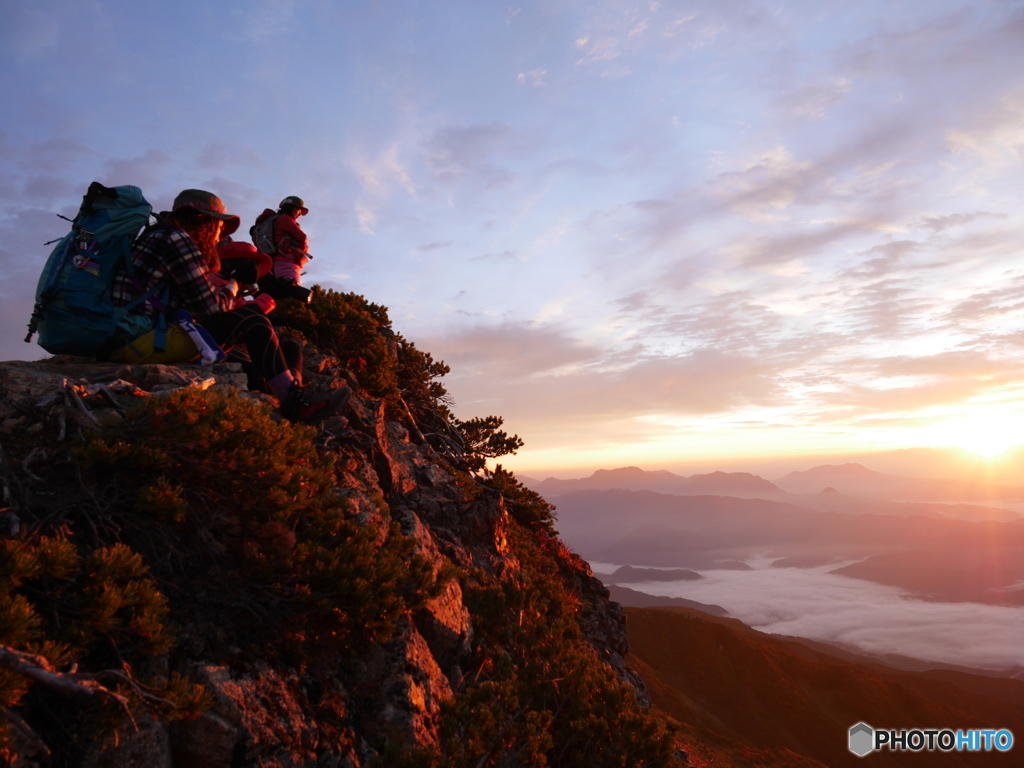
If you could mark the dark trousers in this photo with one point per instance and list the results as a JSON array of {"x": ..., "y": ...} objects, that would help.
[{"x": 249, "y": 326}]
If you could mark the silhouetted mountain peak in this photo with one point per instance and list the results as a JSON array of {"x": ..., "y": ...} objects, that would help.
[
  {"x": 851, "y": 471},
  {"x": 632, "y": 473},
  {"x": 851, "y": 478}
]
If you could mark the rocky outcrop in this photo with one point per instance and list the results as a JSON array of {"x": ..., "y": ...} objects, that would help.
[
  {"x": 409, "y": 687},
  {"x": 91, "y": 394},
  {"x": 268, "y": 716},
  {"x": 257, "y": 717},
  {"x": 603, "y": 622}
]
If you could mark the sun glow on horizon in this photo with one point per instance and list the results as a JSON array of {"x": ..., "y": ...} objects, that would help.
[
  {"x": 987, "y": 434},
  {"x": 986, "y": 431}
]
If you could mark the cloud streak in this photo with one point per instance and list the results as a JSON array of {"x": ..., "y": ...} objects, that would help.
[{"x": 678, "y": 229}]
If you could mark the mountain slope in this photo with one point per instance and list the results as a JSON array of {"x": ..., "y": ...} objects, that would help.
[
  {"x": 739, "y": 689},
  {"x": 250, "y": 592},
  {"x": 953, "y": 573}
]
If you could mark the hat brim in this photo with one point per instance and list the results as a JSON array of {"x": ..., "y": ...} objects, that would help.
[
  {"x": 264, "y": 262},
  {"x": 231, "y": 222}
]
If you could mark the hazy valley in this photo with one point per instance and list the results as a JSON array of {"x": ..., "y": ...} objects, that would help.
[{"x": 894, "y": 567}]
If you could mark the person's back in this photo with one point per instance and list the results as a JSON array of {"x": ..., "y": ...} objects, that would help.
[{"x": 286, "y": 241}]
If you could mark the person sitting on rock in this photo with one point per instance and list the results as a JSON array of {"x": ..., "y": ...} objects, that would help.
[
  {"x": 280, "y": 235},
  {"x": 247, "y": 266},
  {"x": 181, "y": 259}
]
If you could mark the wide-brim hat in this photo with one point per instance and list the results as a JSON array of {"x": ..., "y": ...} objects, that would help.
[
  {"x": 211, "y": 205},
  {"x": 229, "y": 251}
]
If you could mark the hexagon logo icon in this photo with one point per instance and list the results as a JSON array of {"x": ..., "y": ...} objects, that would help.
[{"x": 862, "y": 739}]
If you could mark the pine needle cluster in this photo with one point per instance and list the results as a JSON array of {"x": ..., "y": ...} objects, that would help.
[
  {"x": 100, "y": 611},
  {"x": 527, "y": 507}
]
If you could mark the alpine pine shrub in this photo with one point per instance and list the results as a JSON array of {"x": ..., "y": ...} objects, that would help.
[{"x": 246, "y": 506}]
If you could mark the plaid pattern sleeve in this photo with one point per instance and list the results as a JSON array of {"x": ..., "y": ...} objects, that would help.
[
  {"x": 188, "y": 270},
  {"x": 173, "y": 254}
]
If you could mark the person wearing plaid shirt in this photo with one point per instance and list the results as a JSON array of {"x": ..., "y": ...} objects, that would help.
[
  {"x": 182, "y": 258},
  {"x": 169, "y": 253}
]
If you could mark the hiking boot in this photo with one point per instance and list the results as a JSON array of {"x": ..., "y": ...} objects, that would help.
[{"x": 313, "y": 407}]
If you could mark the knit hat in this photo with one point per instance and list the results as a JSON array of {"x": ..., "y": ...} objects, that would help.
[{"x": 211, "y": 205}]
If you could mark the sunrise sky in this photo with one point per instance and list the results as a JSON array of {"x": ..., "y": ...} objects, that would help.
[{"x": 655, "y": 233}]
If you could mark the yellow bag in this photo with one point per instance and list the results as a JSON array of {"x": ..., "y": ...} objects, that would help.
[{"x": 179, "y": 348}]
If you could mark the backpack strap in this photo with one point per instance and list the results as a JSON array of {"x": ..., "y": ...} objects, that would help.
[
  {"x": 158, "y": 296},
  {"x": 160, "y": 340}
]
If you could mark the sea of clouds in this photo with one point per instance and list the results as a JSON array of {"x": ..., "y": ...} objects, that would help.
[{"x": 855, "y": 614}]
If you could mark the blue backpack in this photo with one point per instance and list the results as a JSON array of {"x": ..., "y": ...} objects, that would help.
[{"x": 74, "y": 312}]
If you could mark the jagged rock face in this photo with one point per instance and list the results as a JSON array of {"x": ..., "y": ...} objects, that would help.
[
  {"x": 605, "y": 629},
  {"x": 444, "y": 623},
  {"x": 411, "y": 687},
  {"x": 259, "y": 715},
  {"x": 263, "y": 716}
]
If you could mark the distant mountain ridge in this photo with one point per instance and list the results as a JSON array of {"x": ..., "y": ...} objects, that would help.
[
  {"x": 631, "y": 598},
  {"x": 739, "y": 484},
  {"x": 857, "y": 480},
  {"x": 847, "y": 489}
]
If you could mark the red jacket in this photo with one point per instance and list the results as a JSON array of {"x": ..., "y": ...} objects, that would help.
[
  {"x": 289, "y": 239},
  {"x": 288, "y": 235}
]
